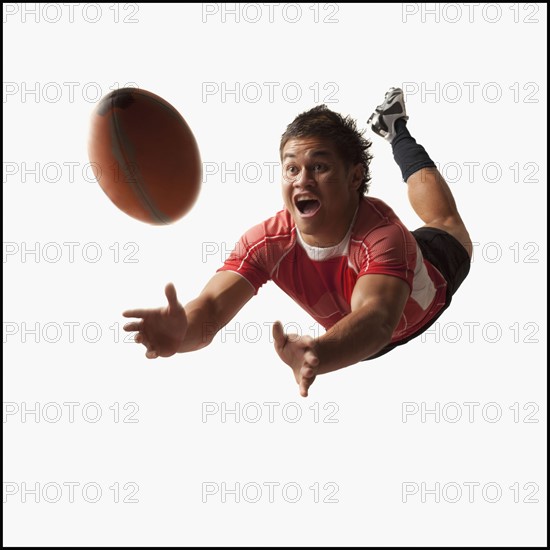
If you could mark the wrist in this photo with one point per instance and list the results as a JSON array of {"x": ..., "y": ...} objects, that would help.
[{"x": 328, "y": 352}]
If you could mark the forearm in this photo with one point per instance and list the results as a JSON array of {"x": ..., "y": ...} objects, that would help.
[
  {"x": 357, "y": 336},
  {"x": 221, "y": 299},
  {"x": 202, "y": 326}
]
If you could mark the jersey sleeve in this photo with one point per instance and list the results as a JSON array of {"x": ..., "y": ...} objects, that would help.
[
  {"x": 389, "y": 249},
  {"x": 249, "y": 258}
]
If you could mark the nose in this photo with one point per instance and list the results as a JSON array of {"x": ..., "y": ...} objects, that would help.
[{"x": 304, "y": 179}]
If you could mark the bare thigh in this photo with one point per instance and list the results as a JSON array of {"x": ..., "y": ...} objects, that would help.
[{"x": 457, "y": 230}]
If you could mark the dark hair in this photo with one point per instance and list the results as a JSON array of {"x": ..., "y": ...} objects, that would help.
[{"x": 342, "y": 131}]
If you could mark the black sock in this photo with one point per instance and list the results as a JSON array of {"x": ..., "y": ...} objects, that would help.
[{"x": 409, "y": 155}]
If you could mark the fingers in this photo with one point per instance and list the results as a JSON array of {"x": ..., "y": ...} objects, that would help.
[
  {"x": 310, "y": 358},
  {"x": 171, "y": 296},
  {"x": 141, "y": 339},
  {"x": 135, "y": 313},
  {"x": 309, "y": 368},
  {"x": 308, "y": 372},
  {"x": 138, "y": 326},
  {"x": 305, "y": 385},
  {"x": 279, "y": 335},
  {"x": 134, "y": 326},
  {"x": 307, "y": 377},
  {"x": 307, "y": 341}
]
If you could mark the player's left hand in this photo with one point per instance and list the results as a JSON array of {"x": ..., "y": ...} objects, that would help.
[{"x": 299, "y": 353}]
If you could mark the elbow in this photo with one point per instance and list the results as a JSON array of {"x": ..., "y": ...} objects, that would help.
[
  {"x": 210, "y": 325},
  {"x": 386, "y": 332},
  {"x": 381, "y": 337},
  {"x": 384, "y": 336}
]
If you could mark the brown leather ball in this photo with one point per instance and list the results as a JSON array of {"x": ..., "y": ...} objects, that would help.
[{"x": 144, "y": 156}]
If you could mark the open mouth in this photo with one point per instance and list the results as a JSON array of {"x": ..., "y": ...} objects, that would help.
[{"x": 307, "y": 207}]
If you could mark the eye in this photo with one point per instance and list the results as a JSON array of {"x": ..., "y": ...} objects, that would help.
[
  {"x": 319, "y": 167},
  {"x": 291, "y": 170}
]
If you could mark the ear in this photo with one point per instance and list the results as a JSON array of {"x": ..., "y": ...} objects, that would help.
[{"x": 356, "y": 176}]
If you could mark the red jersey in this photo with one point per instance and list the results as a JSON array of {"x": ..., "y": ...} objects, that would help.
[{"x": 321, "y": 280}]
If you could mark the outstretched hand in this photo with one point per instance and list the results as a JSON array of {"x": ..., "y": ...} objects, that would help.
[
  {"x": 299, "y": 353},
  {"x": 161, "y": 330}
]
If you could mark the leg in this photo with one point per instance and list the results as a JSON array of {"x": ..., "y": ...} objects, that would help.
[
  {"x": 434, "y": 203},
  {"x": 429, "y": 193}
]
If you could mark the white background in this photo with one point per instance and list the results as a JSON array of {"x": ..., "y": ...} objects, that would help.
[{"x": 355, "y": 53}]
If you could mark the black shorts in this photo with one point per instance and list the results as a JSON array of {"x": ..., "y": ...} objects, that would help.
[{"x": 450, "y": 258}]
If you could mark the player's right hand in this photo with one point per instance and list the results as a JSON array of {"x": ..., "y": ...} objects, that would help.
[{"x": 161, "y": 330}]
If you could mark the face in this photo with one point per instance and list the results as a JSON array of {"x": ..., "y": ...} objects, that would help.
[{"x": 319, "y": 190}]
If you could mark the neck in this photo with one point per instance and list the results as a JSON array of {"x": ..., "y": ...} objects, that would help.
[{"x": 335, "y": 234}]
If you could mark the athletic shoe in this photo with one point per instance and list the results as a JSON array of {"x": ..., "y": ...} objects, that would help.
[{"x": 382, "y": 121}]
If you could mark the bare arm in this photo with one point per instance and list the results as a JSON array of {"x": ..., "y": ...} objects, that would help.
[
  {"x": 220, "y": 300},
  {"x": 377, "y": 304},
  {"x": 175, "y": 328}
]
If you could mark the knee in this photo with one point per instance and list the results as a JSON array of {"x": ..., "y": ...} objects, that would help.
[
  {"x": 462, "y": 235},
  {"x": 467, "y": 244},
  {"x": 455, "y": 227}
]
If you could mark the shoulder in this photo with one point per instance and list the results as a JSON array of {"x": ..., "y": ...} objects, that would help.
[
  {"x": 372, "y": 213},
  {"x": 268, "y": 240},
  {"x": 277, "y": 227},
  {"x": 280, "y": 225},
  {"x": 378, "y": 232}
]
